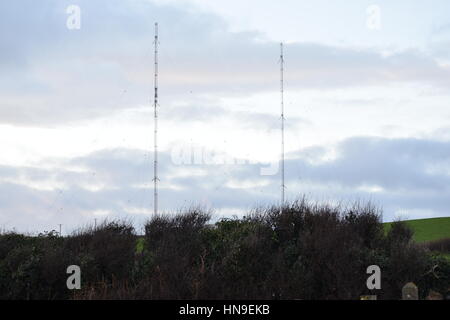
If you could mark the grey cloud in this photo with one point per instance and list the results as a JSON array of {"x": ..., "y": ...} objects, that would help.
[{"x": 391, "y": 164}]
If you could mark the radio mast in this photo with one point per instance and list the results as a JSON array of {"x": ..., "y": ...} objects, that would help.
[
  {"x": 155, "y": 104},
  {"x": 282, "y": 125}
]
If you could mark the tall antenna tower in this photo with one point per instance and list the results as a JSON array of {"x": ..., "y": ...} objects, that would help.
[
  {"x": 282, "y": 125},
  {"x": 155, "y": 104}
]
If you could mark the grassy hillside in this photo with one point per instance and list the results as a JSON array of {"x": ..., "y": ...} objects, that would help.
[{"x": 428, "y": 229}]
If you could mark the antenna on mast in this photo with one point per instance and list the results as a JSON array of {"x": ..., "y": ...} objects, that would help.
[
  {"x": 282, "y": 125},
  {"x": 155, "y": 103}
]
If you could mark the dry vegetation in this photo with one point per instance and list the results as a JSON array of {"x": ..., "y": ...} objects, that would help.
[{"x": 309, "y": 252}]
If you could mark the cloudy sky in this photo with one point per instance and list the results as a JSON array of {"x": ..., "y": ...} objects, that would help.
[{"x": 367, "y": 102}]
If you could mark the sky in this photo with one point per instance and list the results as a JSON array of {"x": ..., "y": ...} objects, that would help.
[{"x": 367, "y": 93}]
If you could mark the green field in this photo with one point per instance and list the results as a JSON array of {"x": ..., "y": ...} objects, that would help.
[
  {"x": 140, "y": 245},
  {"x": 428, "y": 229}
]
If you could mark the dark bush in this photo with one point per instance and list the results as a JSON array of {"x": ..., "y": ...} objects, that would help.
[
  {"x": 436, "y": 277},
  {"x": 175, "y": 252},
  {"x": 399, "y": 233},
  {"x": 104, "y": 253},
  {"x": 35, "y": 267},
  {"x": 308, "y": 251},
  {"x": 30, "y": 271},
  {"x": 442, "y": 245}
]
